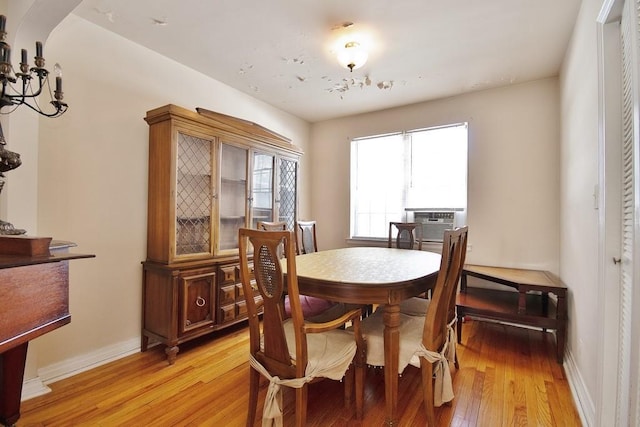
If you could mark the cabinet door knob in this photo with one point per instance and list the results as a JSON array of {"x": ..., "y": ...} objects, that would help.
[{"x": 200, "y": 302}]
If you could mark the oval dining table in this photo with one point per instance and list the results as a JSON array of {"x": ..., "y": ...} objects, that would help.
[{"x": 372, "y": 275}]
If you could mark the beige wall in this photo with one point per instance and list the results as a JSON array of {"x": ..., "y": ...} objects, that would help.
[
  {"x": 579, "y": 220},
  {"x": 513, "y": 177},
  {"x": 92, "y": 179}
]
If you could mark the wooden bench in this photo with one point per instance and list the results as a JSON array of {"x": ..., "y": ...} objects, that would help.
[{"x": 529, "y": 306}]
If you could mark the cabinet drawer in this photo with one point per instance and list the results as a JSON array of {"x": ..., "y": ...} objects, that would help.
[
  {"x": 229, "y": 275},
  {"x": 241, "y": 308},
  {"x": 240, "y": 291},
  {"x": 227, "y": 313},
  {"x": 227, "y": 295}
]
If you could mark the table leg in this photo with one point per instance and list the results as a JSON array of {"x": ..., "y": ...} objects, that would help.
[
  {"x": 391, "y": 356},
  {"x": 11, "y": 375}
]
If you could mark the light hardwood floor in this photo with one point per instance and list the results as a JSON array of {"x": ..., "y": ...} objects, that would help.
[{"x": 508, "y": 376}]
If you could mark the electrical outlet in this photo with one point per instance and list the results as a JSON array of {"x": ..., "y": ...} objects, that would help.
[{"x": 469, "y": 248}]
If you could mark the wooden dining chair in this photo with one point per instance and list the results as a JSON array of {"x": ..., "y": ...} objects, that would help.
[
  {"x": 313, "y": 308},
  {"x": 405, "y": 235},
  {"x": 417, "y": 306},
  {"x": 306, "y": 241},
  {"x": 427, "y": 341},
  {"x": 292, "y": 352}
]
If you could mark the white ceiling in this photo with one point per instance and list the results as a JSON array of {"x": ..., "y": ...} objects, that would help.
[{"x": 280, "y": 51}]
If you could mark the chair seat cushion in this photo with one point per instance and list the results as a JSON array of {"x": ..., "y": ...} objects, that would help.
[
  {"x": 329, "y": 353},
  {"x": 415, "y": 306},
  {"x": 411, "y": 328},
  {"x": 311, "y": 306}
]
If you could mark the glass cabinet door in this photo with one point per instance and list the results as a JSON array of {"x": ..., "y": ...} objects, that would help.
[
  {"x": 232, "y": 197},
  {"x": 262, "y": 184},
  {"x": 287, "y": 192},
  {"x": 194, "y": 199}
]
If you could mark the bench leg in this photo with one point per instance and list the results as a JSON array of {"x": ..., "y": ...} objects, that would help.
[{"x": 561, "y": 330}]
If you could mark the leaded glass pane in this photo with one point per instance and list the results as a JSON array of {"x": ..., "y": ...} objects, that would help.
[
  {"x": 287, "y": 212},
  {"x": 193, "y": 195}
]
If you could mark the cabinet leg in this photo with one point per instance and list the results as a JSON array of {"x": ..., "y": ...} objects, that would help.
[
  {"x": 11, "y": 376},
  {"x": 144, "y": 344},
  {"x": 172, "y": 353}
]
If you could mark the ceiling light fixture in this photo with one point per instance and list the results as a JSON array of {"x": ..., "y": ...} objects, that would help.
[{"x": 352, "y": 56}]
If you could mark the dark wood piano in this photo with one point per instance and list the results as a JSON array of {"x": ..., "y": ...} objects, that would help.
[{"x": 34, "y": 299}]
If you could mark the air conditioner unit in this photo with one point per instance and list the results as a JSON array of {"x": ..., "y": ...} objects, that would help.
[{"x": 434, "y": 222}]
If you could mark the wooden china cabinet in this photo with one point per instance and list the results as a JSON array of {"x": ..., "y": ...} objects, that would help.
[{"x": 209, "y": 175}]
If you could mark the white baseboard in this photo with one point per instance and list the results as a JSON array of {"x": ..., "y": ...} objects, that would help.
[
  {"x": 33, "y": 387},
  {"x": 584, "y": 402},
  {"x": 75, "y": 365}
]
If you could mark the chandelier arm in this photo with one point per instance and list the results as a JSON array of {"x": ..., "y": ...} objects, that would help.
[
  {"x": 4, "y": 90},
  {"x": 26, "y": 85},
  {"x": 42, "y": 78},
  {"x": 60, "y": 108},
  {"x": 22, "y": 98}
]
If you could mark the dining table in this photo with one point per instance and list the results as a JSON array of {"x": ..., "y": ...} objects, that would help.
[{"x": 372, "y": 275}]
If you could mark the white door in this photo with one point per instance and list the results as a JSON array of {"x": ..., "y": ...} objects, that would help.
[{"x": 619, "y": 363}]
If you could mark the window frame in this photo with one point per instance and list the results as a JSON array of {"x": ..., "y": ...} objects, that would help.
[{"x": 379, "y": 229}]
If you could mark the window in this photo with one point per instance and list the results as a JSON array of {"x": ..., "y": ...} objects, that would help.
[{"x": 425, "y": 168}]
